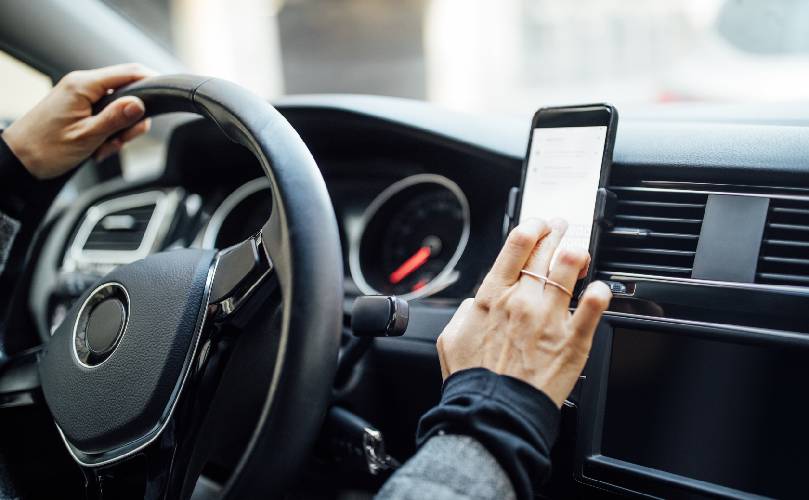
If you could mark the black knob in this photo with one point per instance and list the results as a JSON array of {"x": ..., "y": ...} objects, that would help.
[{"x": 379, "y": 316}]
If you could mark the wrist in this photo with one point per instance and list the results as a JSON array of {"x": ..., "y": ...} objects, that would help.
[{"x": 25, "y": 154}]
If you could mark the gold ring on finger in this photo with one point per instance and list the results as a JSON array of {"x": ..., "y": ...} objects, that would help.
[{"x": 547, "y": 281}]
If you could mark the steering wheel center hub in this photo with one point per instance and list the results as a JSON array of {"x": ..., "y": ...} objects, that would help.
[
  {"x": 112, "y": 371},
  {"x": 101, "y": 321}
]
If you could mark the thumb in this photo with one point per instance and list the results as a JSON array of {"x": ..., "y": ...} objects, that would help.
[
  {"x": 591, "y": 306},
  {"x": 119, "y": 114}
]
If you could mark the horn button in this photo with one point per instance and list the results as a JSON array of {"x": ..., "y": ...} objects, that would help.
[
  {"x": 105, "y": 325},
  {"x": 101, "y": 323},
  {"x": 113, "y": 370}
]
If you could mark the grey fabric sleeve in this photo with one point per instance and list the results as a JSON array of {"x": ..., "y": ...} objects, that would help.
[
  {"x": 449, "y": 467},
  {"x": 8, "y": 230}
]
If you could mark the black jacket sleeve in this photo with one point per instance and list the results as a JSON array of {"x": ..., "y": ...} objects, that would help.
[
  {"x": 24, "y": 201},
  {"x": 514, "y": 421},
  {"x": 16, "y": 183}
]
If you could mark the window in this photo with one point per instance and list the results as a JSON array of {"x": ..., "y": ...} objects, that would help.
[{"x": 21, "y": 87}]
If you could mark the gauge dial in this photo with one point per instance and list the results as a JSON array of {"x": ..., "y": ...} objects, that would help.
[{"x": 411, "y": 238}]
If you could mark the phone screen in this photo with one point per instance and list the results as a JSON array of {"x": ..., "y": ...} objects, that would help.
[{"x": 562, "y": 178}]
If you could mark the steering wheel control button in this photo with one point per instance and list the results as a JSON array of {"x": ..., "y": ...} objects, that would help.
[
  {"x": 235, "y": 265},
  {"x": 100, "y": 324},
  {"x": 105, "y": 325},
  {"x": 239, "y": 271}
]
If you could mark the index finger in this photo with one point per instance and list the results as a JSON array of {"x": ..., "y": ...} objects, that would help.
[
  {"x": 98, "y": 81},
  {"x": 515, "y": 253}
]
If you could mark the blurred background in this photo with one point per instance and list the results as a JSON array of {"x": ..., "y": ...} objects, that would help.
[
  {"x": 483, "y": 56},
  {"x": 494, "y": 55}
]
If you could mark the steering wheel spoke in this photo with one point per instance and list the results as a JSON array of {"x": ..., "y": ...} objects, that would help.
[{"x": 241, "y": 272}]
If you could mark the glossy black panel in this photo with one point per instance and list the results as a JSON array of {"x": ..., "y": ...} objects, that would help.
[
  {"x": 729, "y": 413},
  {"x": 756, "y": 306}
]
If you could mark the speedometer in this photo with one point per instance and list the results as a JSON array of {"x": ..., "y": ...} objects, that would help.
[{"x": 411, "y": 238}]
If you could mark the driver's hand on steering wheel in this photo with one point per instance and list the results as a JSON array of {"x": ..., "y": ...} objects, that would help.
[
  {"x": 517, "y": 325},
  {"x": 61, "y": 131}
]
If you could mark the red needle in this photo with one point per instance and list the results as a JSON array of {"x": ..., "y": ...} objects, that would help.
[{"x": 415, "y": 261}]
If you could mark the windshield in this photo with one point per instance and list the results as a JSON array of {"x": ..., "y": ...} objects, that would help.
[{"x": 494, "y": 55}]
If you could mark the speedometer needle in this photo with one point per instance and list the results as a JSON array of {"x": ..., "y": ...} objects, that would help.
[{"x": 415, "y": 261}]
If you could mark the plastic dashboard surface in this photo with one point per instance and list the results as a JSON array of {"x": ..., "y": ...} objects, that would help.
[{"x": 387, "y": 139}]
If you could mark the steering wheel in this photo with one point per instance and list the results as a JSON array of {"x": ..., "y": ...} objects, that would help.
[{"x": 157, "y": 361}]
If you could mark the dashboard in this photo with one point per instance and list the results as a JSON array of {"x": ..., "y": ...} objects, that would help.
[{"x": 698, "y": 352}]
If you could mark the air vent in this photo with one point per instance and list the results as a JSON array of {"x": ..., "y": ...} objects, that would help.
[
  {"x": 784, "y": 255},
  {"x": 121, "y": 230},
  {"x": 656, "y": 232}
]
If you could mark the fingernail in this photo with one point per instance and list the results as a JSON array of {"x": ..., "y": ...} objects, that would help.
[
  {"x": 133, "y": 110},
  {"x": 602, "y": 285}
]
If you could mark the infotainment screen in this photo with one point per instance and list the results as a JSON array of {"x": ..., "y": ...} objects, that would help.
[{"x": 732, "y": 414}]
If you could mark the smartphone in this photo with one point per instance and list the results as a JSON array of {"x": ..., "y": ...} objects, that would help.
[{"x": 565, "y": 169}]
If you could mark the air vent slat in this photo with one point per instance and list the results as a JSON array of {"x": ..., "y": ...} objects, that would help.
[
  {"x": 646, "y": 218},
  {"x": 786, "y": 210},
  {"x": 782, "y": 279},
  {"x": 788, "y": 227},
  {"x": 786, "y": 243},
  {"x": 624, "y": 232},
  {"x": 634, "y": 266},
  {"x": 785, "y": 260},
  {"x": 662, "y": 251},
  {"x": 660, "y": 204}
]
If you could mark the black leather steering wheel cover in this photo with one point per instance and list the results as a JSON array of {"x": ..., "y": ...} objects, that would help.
[{"x": 303, "y": 240}]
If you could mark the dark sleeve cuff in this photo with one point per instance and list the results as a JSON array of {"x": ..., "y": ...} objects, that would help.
[
  {"x": 15, "y": 182},
  {"x": 514, "y": 421}
]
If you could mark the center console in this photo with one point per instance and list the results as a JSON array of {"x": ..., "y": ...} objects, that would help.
[{"x": 696, "y": 383}]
